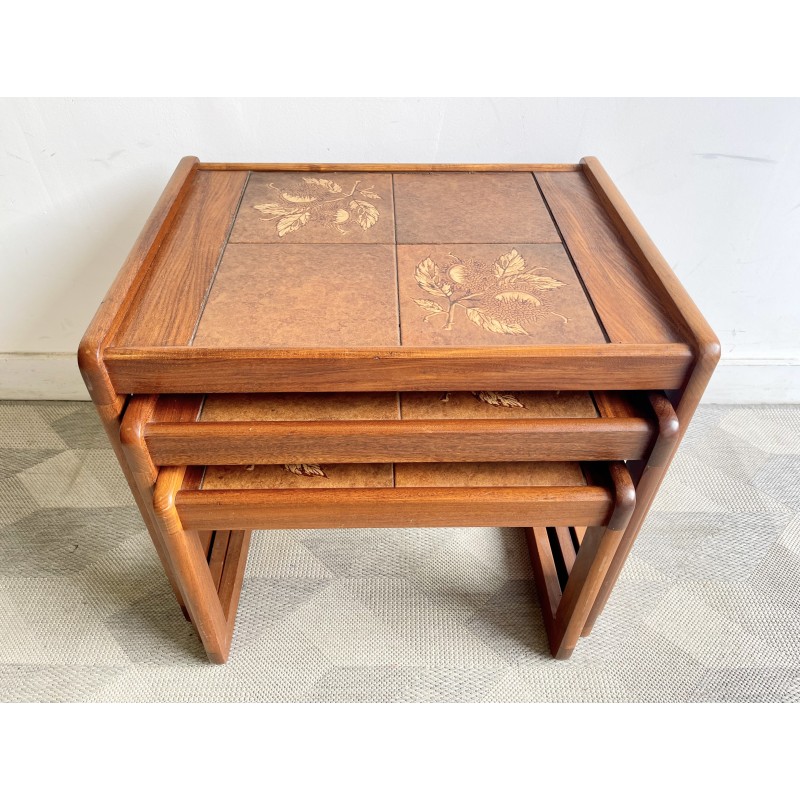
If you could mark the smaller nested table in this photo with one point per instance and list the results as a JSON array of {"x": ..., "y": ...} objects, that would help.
[{"x": 302, "y": 346}]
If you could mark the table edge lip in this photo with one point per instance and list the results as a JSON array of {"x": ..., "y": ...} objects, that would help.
[
  {"x": 387, "y": 167},
  {"x": 655, "y": 350}
]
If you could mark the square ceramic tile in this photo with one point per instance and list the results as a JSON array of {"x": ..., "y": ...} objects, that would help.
[
  {"x": 304, "y": 295},
  {"x": 471, "y": 295},
  {"x": 496, "y": 405},
  {"x": 300, "y": 406},
  {"x": 471, "y": 207},
  {"x": 332, "y": 207},
  {"x": 298, "y": 476}
]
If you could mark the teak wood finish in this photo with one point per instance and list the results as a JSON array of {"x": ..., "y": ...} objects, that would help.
[
  {"x": 620, "y": 431},
  {"x": 604, "y": 505},
  {"x": 141, "y": 344},
  {"x": 225, "y": 551}
]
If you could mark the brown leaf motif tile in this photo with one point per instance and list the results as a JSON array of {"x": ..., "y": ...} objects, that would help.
[
  {"x": 500, "y": 399},
  {"x": 308, "y": 470},
  {"x": 505, "y": 297},
  {"x": 322, "y": 202}
]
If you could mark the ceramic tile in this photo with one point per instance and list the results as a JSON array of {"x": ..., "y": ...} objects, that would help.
[
  {"x": 471, "y": 207},
  {"x": 299, "y": 476},
  {"x": 496, "y": 473},
  {"x": 300, "y": 406},
  {"x": 455, "y": 295},
  {"x": 496, "y": 405},
  {"x": 318, "y": 295},
  {"x": 333, "y": 207}
]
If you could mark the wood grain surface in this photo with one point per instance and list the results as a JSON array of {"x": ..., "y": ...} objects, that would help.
[
  {"x": 568, "y": 367},
  {"x": 399, "y": 440},
  {"x": 230, "y": 583},
  {"x": 685, "y": 399},
  {"x": 625, "y": 301},
  {"x": 216, "y": 559},
  {"x": 566, "y": 547},
  {"x": 341, "y": 303},
  {"x": 399, "y": 167},
  {"x": 117, "y": 301},
  {"x": 366, "y": 427},
  {"x": 663, "y": 281},
  {"x": 168, "y": 304},
  {"x": 190, "y": 566},
  {"x": 262, "y": 509},
  {"x": 568, "y": 591}
]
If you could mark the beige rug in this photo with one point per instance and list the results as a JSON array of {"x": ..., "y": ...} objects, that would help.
[{"x": 708, "y": 607}]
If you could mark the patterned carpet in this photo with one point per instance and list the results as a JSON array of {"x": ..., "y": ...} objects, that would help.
[{"x": 707, "y": 609}]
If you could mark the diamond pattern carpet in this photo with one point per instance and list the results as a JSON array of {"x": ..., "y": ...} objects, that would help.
[{"x": 707, "y": 608}]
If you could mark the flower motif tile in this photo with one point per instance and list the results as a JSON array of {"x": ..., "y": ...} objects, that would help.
[
  {"x": 325, "y": 207},
  {"x": 492, "y": 294}
]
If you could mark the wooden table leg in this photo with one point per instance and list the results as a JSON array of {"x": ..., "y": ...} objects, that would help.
[
  {"x": 111, "y": 417},
  {"x": 191, "y": 568},
  {"x": 210, "y": 580},
  {"x": 566, "y": 604},
  {"x": 648, "y": 476}
]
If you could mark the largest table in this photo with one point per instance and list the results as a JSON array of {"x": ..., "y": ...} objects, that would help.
[{"x": 364, "y": 278}]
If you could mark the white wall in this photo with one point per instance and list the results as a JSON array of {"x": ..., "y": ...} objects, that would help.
[{"x": 715, "y": 182}]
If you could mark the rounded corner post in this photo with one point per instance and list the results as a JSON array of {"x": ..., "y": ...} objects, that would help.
[
  {"x": 89, "y": 360},
  {"x": 710, "y": 351},
  {"x": 168, "y": 484},
  {"x": 624, "y": 495},
  {"x": 134, "y": 422},
  {"x": 669, "y": 426}
]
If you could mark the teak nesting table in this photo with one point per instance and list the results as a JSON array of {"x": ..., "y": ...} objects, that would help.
[{"x": 361, "y": 345}]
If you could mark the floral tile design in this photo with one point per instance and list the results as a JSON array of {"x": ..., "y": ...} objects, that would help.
[
  {"x": 492, "y": 294},
  {"x": 325, "y": 207}
]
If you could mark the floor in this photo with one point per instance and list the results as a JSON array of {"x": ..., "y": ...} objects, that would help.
[{"x": 707, "y": 609}]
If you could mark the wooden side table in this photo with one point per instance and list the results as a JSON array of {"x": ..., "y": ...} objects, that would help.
[{"x": 395, "y": 345}]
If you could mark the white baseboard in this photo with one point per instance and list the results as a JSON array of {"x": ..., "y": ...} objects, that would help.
[
  {"x": 755, "y": 381},
  {"x": 41, "y": 376},
  {"x": 55, "y": 376}
]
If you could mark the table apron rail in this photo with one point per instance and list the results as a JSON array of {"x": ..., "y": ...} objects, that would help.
[
  {"x": 278, "y": 442},
  {"x": 578, "y": 367},
  {"x": 393, "y": 507}
]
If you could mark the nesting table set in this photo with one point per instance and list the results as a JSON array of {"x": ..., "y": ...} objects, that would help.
[{"x": 319, "y": 346}]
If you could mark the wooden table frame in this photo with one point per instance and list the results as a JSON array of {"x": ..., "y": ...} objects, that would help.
[{"x": 113, "y": 372}]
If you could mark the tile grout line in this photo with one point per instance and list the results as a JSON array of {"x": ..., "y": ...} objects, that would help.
[
  {"x": 396, "y": 267},
  {"x": 572, "y": 261},
  {"x": 219, "y": 261}
]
